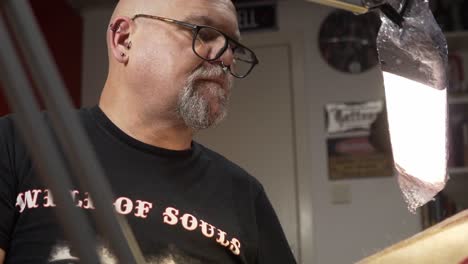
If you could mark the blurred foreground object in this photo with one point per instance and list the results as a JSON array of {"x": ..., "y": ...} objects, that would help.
[
  {"x": 445, "y": 242},
  {"x": 414, "y": 61}
]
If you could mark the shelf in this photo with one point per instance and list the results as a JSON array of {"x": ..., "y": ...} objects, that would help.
[
  {"x": 457, "y": 40},
  {"x": 457, "y": 99},
  {"x": 348, "y": 134},
  {"x": 457, "y": 186},
  {"x": 458, "y": 171}
]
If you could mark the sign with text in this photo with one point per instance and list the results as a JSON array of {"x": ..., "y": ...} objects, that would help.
[
  {"x": 257, "y": 15},
  {"x": 358, "y": 143}
]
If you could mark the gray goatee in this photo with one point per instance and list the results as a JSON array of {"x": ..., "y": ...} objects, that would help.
[{"x": 194, "y": 103}]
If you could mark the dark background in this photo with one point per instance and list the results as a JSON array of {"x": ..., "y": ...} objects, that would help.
[{"x": 63, "y": 29}]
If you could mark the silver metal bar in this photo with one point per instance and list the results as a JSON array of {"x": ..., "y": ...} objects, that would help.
[
  {"x": 71, "y": 135},
  {"x": 367, "y": 5},
  {"x": 345, "y": 5},
  {"x": 37, "y": 137}
]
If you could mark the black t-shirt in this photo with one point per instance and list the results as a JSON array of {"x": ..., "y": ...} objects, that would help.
[{"x": 191, "y": 206}]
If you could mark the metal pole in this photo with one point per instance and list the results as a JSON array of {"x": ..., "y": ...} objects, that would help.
[
  {"x": 343, "y": 4},
  {"x": 42, "y": 147},
  {"x": 65, "y": 122}
]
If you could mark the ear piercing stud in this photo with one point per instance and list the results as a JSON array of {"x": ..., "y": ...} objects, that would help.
[{"x": 112, "y": 28}]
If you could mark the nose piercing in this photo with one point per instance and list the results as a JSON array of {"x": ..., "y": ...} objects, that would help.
[{"x": 225, "y": 68}]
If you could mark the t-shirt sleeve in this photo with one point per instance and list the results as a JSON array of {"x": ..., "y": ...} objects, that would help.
[
  {"x": 7, "y": 181},
  {"x": 272, "y": 244}
]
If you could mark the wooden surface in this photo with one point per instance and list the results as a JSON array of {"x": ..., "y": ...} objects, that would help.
[{"x": 444, "y": 243}]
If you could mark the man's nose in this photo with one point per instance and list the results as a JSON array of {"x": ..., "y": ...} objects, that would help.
[{"x": 227, "y": 57}]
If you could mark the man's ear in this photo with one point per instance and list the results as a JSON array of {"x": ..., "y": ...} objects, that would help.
[{"x": 119, "y": 38}]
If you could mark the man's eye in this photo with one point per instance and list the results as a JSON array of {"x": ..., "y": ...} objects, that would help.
[
  {"x": 208, "y": 34},
  {"x": 233, "y": 47},
  {"x": 238, "y": 50}
]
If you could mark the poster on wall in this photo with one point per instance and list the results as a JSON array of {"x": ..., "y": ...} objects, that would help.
[{"x": 358, "y": 143}]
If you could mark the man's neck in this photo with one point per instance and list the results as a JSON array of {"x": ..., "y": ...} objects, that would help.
[{"x": 163, "y": 133}]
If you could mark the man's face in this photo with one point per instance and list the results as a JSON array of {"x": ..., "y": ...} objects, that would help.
[{"x": 171, "y": 75}]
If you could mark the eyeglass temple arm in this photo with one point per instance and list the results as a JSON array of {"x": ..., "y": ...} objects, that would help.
[{"x": 165, "y": 19}]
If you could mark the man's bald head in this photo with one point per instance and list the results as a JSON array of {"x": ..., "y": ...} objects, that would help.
[
  {"x": 172, "y": 8},
  {"x": 131, "y": 7}
]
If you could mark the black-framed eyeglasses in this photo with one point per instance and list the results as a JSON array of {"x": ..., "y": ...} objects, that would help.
[{"x": 210, "y": 43}]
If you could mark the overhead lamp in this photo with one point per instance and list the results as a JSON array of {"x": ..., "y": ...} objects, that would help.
[{"x": 413, "y": 57}]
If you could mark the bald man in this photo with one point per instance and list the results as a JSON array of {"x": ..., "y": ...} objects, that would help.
[{"x": 171, "y": 68}]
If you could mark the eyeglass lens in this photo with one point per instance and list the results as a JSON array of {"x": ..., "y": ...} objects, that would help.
[{"x": 210, "y": 44}]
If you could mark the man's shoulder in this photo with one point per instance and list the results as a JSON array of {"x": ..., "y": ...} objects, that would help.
[
  {"x": 6, "y": 123},
  {"x": 7, "y": 129},
  {"x": 221, "y": 160},
  {"x": 228, "y": 167}
]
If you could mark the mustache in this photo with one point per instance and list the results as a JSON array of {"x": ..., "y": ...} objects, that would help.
[{"x": 209, "y": 72}]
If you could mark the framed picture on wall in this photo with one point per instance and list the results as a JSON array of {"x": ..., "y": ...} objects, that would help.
[{"x": 358, "y": 143}]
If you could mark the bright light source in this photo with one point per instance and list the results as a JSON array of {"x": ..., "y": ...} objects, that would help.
[
  {"x": 413, "y": 58},
  {"x": 417, "y": 116}
]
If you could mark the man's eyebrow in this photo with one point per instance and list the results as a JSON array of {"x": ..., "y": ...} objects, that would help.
[
  {"x": 199, "y": 19},
  {"x": 207, "y": 21}
]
